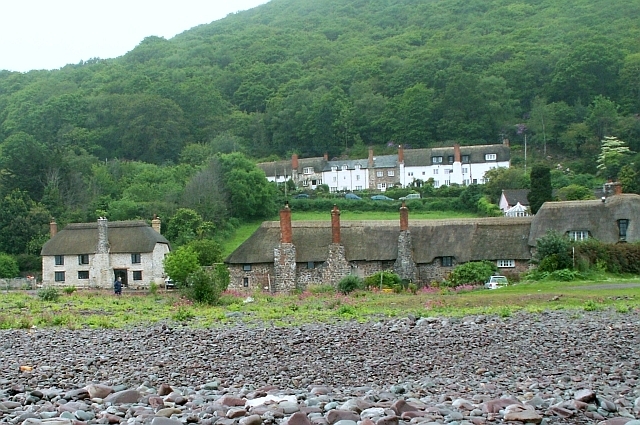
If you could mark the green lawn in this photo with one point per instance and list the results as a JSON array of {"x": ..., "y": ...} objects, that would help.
[{"x": 95, "y": 309}]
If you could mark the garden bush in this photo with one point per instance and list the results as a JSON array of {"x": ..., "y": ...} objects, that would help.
[
  {"x": 474, "y": 272},
  {"x": 349, "y": 284},
  {"x": 386, "y": 279},
  {"x": 48, "y": 294},
  {"x": 203, "y": 287}
]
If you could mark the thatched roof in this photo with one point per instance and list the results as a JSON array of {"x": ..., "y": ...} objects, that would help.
[
  {"x": 124, "y": 237},
  {"x": 276, "y": 168},
  {"x": 597, "y": 217},
  {"x": 464, "y": 239},
  {"x": 422, "y": 157}
]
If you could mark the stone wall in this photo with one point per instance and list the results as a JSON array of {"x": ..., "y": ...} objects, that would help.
[
  {"x": 260, "y": 277},
  {"x": 336, "y": 267}
]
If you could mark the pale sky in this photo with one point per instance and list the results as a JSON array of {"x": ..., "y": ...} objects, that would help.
[{"x": 49, "y": 34}]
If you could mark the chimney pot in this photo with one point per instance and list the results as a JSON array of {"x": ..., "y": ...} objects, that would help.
[
  {"x": 404, "y": 217},
  {"x": 335, "y": 225},
  {"x": 156, "y": 224},
  {"x": 286, "y": 235}
]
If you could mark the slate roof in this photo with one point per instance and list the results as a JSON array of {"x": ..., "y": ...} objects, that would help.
[
  {"x": 514, "y": 196},
  {"x": 124, "y": 237},
  {"x": 422, "y": 157}
]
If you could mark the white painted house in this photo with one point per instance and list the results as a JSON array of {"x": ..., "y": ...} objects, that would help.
[
  {"x": 463, "y": 165},
  {"x": 92, "y": 255}
]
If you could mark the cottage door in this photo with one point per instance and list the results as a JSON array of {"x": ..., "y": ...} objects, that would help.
[{"x": 123, "y": 274}]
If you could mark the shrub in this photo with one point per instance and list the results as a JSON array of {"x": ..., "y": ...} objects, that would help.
[
  {"x": 386, "y": 279},
  {"x": 564, "y": 275},
  {"x": 556, "y": 245},
  {"x": 349, "y": 284},
  {"x": 48, "y": 294},
  {"x": 8, "y": 266},
  {"x": 153, "y": 288},
  {"x": 321, "y": 289},
  {"x": 69, "y": 289},
  {"x": 179, "y": 264},
  {"x": 413, "y": 288},
  {"x": 203, "y": 287},
  {"x": 183, "y": 314},
  {"x": 474, "y": 272}
]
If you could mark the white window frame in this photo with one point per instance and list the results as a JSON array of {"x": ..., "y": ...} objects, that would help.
[
  {"x": 578, "y": 235},
  {"x": 379, "y": 173},
  {"x": 307, "y": 170},
  {"x": 490, "y": 157},
  {"x": 435, "y": 171},
  {"x": 357, "y": 166},
  {"x": 358, "y": 187},
  {"x": 357, "y": 176},
  {"x": 436, "y": 160},
  {"x": 344, "y": 168},
  {"x": 391, "y": 173},
  {"x": 506, "y": 263}
]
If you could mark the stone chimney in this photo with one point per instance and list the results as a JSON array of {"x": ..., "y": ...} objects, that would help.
[
  {"x": 156, "y": 223},
  {"x": 370, "y": 157},
  {"x": 326, "y": 156},
  {"x": 404, "y": 217},
  {"x": 457, "y": 157},
  {"x": 294, "y": 161},
  {"x": 286, "y": 235},
  {"x": 506, "y": 142},
  {"x": 53, "y": 228},
  {"x": 335, "y": 225},
  {"x": 103, "y": 236},
  {"x": 400, "y": 154}
]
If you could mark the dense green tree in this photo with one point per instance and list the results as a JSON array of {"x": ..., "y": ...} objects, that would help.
[
  {"x": 613, "y": 156},
  {"x": 8, "y": 266},
  {"x": 181, "y": 263},
  {"x": 499, "y": 179},
  {"x": 209, "y": 251},
  {"x": 250, "y": 195},
  {"x": 24, "y": 163},
  {"x": 541, "y": 190},
  {"x": 187, "y": 225}
]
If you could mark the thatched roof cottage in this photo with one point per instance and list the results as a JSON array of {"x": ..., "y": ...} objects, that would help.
[
  {"x": 286, "y": 255},
  {"x": 92, "y": 255}
]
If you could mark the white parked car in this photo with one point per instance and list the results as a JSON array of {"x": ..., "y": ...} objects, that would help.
[{"x": 496, "y": 282}]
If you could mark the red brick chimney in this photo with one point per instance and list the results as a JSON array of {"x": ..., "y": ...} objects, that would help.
[
  {"x": 400, "y": 154},
  {"x": 335, "y": 225},
  {"x": 456, "y": 153},
  {"x": 286, "y": 235},
  {"x": 404, "y": 217},
  {"x": 294, "y": 161},
  {"x": 53, "y": 227},
  {"x": 370, "y": 157},
  {"x": 617, "y": 188},
  {"x": 326, "y": 156}
]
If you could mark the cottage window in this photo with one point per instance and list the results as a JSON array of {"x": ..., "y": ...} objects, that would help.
[
  {"x": 83, "y": 259},
  {"x": 447, "y": 261},
  {"x": 578, "y": 235},
  {"x": 245, "y": 282},
  {"x": 136, "y": 258},
  {"x": 475, "y": 181},
  {"x": 410, "y": 173},
  {"x": 357, "y": 167},
  {"x": 436, "y": 160},
  {"x": 358, "y": 187},
  {"x": 623, "y": 224},
  {"x": 311, "y": 265},
  {"x": 435, "y": 171},
  {"x": 391, "y": 173},
  {"x": 307, "y": 170},
  {"x": 450, "y": 159},
  {"x": 59, "y": 259},
  {"x": 335, "y": 178},
  {"x": 137, "y": 275},
  {"x": 506, "y": 263},
  {"x": 424, "y": 173},
  {"x": 83, "y": 274},
  {"x": 246, "y": 267},
  {"x": 382, "y": 186},
  {"x": 334, "y": 168},
  {"x": 465, "y": 159},
  {"x": 490, "y": 157},
  {"x": 344, "y": 167},
  {"x": 345, "y": 188},
  {"x": 333, "y": 189},
  {"x": 447, "y": 182},
  {"x": 464, "y": 170},
  {"x": 59, "y": 276},
  {"x": 305, "y": 183},
  {"x": 379, "y": 173}
]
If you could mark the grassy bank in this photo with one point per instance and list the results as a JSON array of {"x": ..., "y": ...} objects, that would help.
[{"x": 96, "y": 309}]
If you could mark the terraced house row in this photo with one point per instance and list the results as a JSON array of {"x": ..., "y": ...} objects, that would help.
[{"x": 457, "y": 164}]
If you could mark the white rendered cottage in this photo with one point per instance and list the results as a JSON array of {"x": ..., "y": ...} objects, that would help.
[{"x": 92, "y": 255}]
